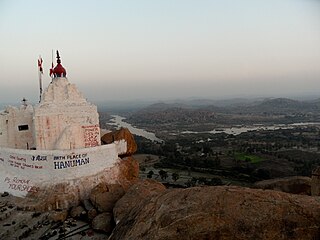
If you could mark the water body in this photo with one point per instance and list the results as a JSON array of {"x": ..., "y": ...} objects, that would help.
[
  {"x": 236, "y": 130},
  {"x": 257, "y": 127},
  {"x": 119, "y": 122}
]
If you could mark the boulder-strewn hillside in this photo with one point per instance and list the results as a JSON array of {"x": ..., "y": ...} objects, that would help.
[
  {"x": 171, "y": 113},
  {"x": 195, "y": 112},
  {"x": 215, "y": 213},
  {"x": 282, "y": 106}
]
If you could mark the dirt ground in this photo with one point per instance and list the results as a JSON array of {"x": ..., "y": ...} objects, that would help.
[{"x": 16, "y": 223}]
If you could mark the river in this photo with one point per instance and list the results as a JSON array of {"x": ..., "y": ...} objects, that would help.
[
  {"x": 119, "y": 122},
  {"x": 242, "y": 129}
]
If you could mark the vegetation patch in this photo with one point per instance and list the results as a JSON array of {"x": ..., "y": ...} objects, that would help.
[{"x": 248, "y": 157}]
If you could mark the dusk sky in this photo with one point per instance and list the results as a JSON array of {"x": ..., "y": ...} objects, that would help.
[{"x": 127, "y": 50}]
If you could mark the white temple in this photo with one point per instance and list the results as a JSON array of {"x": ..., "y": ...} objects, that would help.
[
  {"x": 62, "y": 120},
  {"x": 54, "y": 142}
]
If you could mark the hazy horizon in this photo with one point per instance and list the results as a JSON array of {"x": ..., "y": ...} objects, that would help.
[
  {"x": 147, "y": 50},
  {"x": 144, "y": 102}
]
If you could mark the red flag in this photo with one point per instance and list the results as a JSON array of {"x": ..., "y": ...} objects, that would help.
[
  {"x": 51, "y": 70},
  {"x": 40, "y": 65}
]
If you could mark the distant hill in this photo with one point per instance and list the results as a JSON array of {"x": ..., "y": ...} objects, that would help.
[
  {"x": 196, "y": 111},
  {"x": 281, "y": 103},
  {"x": 315, "y": 102},
  {"x": 281, "y": 106},
  {"x": 197, "y": 103},
  {"x": 234, "y": 102},
  {"x": 164, "y": 106},
  {"x": 171, "y": 113},
  {"x": 270, "y": 106}
]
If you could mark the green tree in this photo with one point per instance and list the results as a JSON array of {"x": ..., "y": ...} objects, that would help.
[
  {"x": 147, "y": 159},
  {"x": 217, "y": 161},
  {"x": 163, "y": 174},
  {"x": 215, "y": 181},
  {"x": 142, "y": 168},
  {"x": 191, "y": 182},
  {"x": 202, "y": 180},
  {"x": 150, "y": 174},
  {"x": 175, "y": 176}
]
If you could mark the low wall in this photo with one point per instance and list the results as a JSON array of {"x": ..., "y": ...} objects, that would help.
[{"x": 23, "y": 171}]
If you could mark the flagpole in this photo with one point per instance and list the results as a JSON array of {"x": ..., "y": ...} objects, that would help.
[
  {"x": 40, "y": 76},
  {"x": 40, "y": 83},
  {"x": 52, "y": 63}
]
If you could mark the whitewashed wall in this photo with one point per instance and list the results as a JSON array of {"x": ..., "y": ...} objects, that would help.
[
  {"x": 10, "y": 119},
  {"x": 64, "y": 119},
  {"x": 23, "y": 171}
]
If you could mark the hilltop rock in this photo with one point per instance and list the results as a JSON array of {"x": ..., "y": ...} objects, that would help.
[
  {"x": 315, "y": 182},
  {"x": 128, "y": 172},
  {"x": 104, "y": 197},
  {"x": 122, "y": 133},
  {"x": 58, "y": 216},
  {"x": 92, "y": 214},
  {"x": 77, "y": 212},
  {"x": 103, "y": 222},
  {"x": 135, "y": 195},
  {"x": 295, "y": 185},
  {"x": 222, "y": 212}
]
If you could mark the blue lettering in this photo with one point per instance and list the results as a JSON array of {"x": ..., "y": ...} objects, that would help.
[
  {"x": 70, "y": 163},
  {"x": 56, "y": 165}
]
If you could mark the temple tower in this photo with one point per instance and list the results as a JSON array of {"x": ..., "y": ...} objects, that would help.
[{"x": 64, "y": 119}]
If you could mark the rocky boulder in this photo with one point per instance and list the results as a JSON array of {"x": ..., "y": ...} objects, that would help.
[
  {"x": 295, "y": 185},
  {"x": 58, "y": 216},
  {"x": 78, "y": 212},
  {"x": 128, "y": 172},
  {"x": 121, "y": 134},
  {"x": 92, "y": 214},
  {"x": 222, "y": 212},
  {"x": 315, "y": 182},
  {"x": 103, "y": 222},
  {"x": 103, "y": 197},
  {"x": 136, "y": 194}
]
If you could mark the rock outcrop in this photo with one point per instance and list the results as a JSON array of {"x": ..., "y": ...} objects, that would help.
[
  {"x": 222, "y": 212},
  {"x": 58, "y": 216},
  {"x": 136, "y": 195},
  {"x": 122, "y": 133},
  {"x": 103, "y": 197},
  {"x": 103, "y": 222},
  {"x": 77, "y": 212},
  {"x": 295, "y": 185},
  {"x": 315, "y": 182},
  {"x": 128, "y": 172}
]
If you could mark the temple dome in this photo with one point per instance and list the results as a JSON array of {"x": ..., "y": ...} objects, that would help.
[{"x": 59, "y": 70}]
